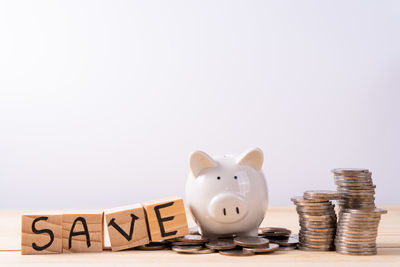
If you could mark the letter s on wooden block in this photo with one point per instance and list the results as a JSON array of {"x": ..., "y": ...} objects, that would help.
[
  {"x": 166, "y": 218},
  {"x": 127, "y": 227},
  {"x": 41, "y": 233},
  {"x": 83, "y": 231}
]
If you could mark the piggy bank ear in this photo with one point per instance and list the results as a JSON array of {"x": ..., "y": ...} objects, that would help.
[
  {"x": 253, "y": 158},
  {"x": 199, "y": 161}
]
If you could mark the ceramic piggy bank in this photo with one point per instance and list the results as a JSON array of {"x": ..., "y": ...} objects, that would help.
[{"x": 227, "y": 195}]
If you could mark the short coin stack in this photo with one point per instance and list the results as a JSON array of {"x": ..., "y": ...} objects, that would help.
[
  {"x": 356, "y": 188},
  {"x": 357, "y": 231},
  {"x": 280, "y": 236},
  {"x": 317, "y": 219}
]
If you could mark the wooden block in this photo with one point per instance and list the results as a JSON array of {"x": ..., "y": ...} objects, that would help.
[
  {"x": 83, "y": 231},
  {"x": 41, "y": 233},
  {"x": 127, "y": 227},
  {"x": 166, "y": 218}
]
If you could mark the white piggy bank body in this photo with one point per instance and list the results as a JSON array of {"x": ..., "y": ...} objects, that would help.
[{"x": 227, "y": 195}]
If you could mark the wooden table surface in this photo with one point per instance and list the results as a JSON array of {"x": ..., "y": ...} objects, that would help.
[{"x": 388, "y": 248}]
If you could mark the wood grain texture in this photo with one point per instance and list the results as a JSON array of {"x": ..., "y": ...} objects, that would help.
[
  {"x": 95, "y": 224},
  {"x": 50, "y": 221},
  {"x": 175, "y": 209},
  {"x": 122, "y": 216},
  {"x": 388, "y": 243}
]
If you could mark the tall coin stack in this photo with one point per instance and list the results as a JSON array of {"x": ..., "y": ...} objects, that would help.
[
  {"x": 356, "y": 188},
  {"x": 358, "y": 217},
  {"x": 317, "y": 220}
]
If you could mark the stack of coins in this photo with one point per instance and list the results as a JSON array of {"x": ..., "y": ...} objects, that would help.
[
  {"x": 317, "y": 219},
  {"x": 356, "y": 188},
  {"x": 357, "y": 231},
  {"x": 280, "y": 236}
]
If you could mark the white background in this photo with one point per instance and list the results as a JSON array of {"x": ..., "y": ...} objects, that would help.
[{"x": 101, "y": 102}]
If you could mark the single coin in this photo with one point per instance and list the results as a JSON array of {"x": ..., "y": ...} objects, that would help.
[
  {"x": 356, "y": 253},
  {"x": 272, "y": 247},
  {"x": 151, "y": 246},
  {"x": 186, "y": 249},
  {"x": 321, "y": 194},
  {"x": 287, "y": 242},
  {"x": 274, "y": 230},
  {"x": 361, "y": 247},
  {"x": 252, "y": 242},
  {"x": 325, "y": 231},
  {"x": 193, "y": 239},
  {"x": 356, "y": 211},
  {"x": 300, "y": 199},
  {"x": 324, "y": 205},
  {"x": 318, "y": 244},
  {"x": 316, "y": 208},
  {"x": 360, "y": 235},
  {"x": 353, "y": 248},
  {"x": 316, "y": 237},
  {"x": 351, "y": 171},
  {"x": 221, "y": 244},
  {"x": 203, "y": 251},
  {"x": 314, "y": 249},
  {"x": 183, "y": 243},
  {"x": 236, "y": 252}
]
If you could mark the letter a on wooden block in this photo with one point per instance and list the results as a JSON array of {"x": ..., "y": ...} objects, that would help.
[
  {"x": 41, "y": 233},
  {"x": 166, "y": 218},
  {"x": 83, "y": 231},
  {"x": 127, "y": 227}
]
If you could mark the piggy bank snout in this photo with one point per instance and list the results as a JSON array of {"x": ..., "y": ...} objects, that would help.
[{"x": 228, "y": 207}]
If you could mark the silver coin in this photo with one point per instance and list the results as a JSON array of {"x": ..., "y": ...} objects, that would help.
[
  {"x": 321, "y": 194},
  {"x": 270, "y": 248},
  {"x": 192, "y": 239},
  {"x": 186, "y": 249},
  {"x": 221, "y": 244},
  {"x": 251, "y": 241},
  {"x": 236, "y": 252}
]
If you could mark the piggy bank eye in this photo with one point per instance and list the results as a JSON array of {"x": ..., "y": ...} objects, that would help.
[
  {"x": 219, "y": 178},
  {"x": 235, "y": 177}
]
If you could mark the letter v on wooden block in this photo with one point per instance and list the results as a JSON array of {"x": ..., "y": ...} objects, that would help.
[
  {"x": 83, "y": 231},
  {"x": 41, "y": 233},
  {"x": 127, "y": 227},
  {"x": 166, "y": 218}
]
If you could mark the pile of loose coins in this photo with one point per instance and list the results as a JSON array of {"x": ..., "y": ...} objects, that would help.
[
  {"x": 270, "y": 239},
  {"x": 356, "y": 188},
  {"x": 317, "y": 219}
]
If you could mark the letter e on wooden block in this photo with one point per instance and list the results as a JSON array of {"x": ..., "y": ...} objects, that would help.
[
  {"x": 83, "y": 231},
  {"x": 41, "y": 233},
  {"x": 127, "y": 227},
  {"x": 166, "y": 218}
]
